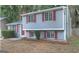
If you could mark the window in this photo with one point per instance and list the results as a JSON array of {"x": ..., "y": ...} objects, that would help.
[
  {"x": 31, "y": 18},
  {"x": 49, "y": 34},
  {"x": 31, "y": 34},
  {"x": 48, "y": 16},
  {"x": 14, "y": 27}
]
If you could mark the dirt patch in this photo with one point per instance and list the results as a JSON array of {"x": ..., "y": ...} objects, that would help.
[{"x": 38, "y": 46}]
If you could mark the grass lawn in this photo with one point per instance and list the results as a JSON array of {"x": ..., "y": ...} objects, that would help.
[{"x": 75, "y": 42}]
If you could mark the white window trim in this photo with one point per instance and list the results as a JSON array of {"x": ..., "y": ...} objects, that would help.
[
  {"x": 51, "y": 35},
  {"x": 48, "y": 15},
  {"x": 46, "y": 29}
]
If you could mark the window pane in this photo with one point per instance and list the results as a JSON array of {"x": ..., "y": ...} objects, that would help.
[
  {"x": 52, "y": 35},
  {"x": 48, "y": 34},
  {"x": 31, "y": 34},
  {"x": 48, "y": 16},
  {"x": 31, "y": 18}
]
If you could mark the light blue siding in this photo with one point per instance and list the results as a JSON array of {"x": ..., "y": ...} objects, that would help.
[
  {"x": 39, "y": 24},
  {"x": 68, "y": 24},
  {"x": 61, "y": 35},
  {"x": 61, "y": 22}
]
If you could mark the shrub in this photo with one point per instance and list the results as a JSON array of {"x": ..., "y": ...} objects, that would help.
[
  {"x": 37, "y": 33},
  {"x": 8, "y": 34}
]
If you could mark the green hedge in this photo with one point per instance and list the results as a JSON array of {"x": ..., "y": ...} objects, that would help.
[
  {"x": 8, "y": 34},
  {"x": 37, "y": 33}
]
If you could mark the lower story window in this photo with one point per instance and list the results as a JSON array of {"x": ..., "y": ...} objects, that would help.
[
  {"x": 50, "y": 34},
  {"x": 31, "y": 34}
]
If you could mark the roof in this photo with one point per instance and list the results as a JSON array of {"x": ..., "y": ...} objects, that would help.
[
  {"x": 14, "y": 23},
  {"x": 1, "y": 18},
  {"x": 39, "y": 11}
]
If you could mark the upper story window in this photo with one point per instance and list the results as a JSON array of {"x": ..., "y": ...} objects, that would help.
[
  {"x": 49, "y": 15},
  {"x": 31, "y": 18}
]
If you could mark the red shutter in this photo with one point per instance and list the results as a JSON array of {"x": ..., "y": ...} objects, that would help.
[
  {"x": 27, "y": 18},
  {"x": 16, "y": 28},
  {"x": 34, "y": 17},
  {"x": 43, "y": 17},
  {"x": 54, "y": 15},
  {"x": 56, "y": 34}
]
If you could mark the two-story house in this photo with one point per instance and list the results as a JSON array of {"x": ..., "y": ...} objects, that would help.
[{"x": 53, "y": 24}]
